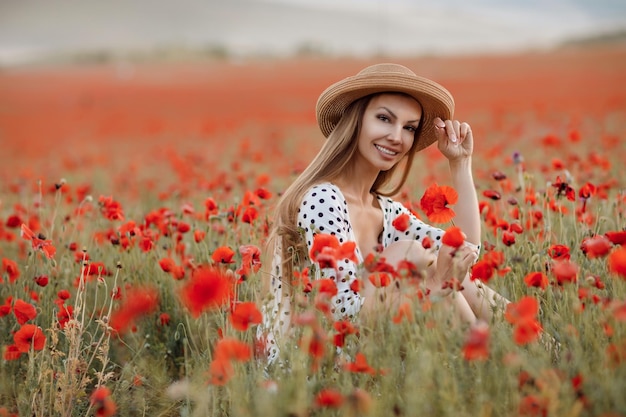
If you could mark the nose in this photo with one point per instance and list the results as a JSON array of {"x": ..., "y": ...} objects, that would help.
[{"x": 395, "y": 134}]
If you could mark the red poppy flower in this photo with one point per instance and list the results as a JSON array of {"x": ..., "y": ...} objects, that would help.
[
  {"x": 233, "y": 350},
  {"x": 482, "y": 270},
  {"x": 223, "y": 255},
  {"x": 329, "y": 398},
  {"x": 476, "y": 346},
  {"x": 559, "y": 252},
  {"x": 617, "y": 262},
  {"x": 24, "y": 311},
  {"x": 29, "y": 336},
  {"x": 596, "y": 247},
  {"x": 250, "y": 260},
  {"x": 38, "y": 242},
  {"x": 12, "y": 353},
  {"x": 41, "y": 280},
  {"x": 110, "y": 208},
  {"x": 586, "y": 191},
  {"x": 536, "y": 279},
  {"x": 617, "y": 238},
  {"x": 221, "y": 371},
  {"x": 526, "y": 308},
  {"x": 435, "y": 203},
  {"x": 453, "y": 237},
  {"x": 526, "y": 331},
  {"x": 492, "y": 194},
  {"x": 564, "y": 189},
  {"x": 360, "y": 365},
  {"x": 427, "y": 242},
  {"x": 405, "y": 311},
  {"x": 565, "y": 271},
  {"x": 198, "y": 235},
  {"x": 533, "y": 406},
  {"x": 64, "y": 315},
  {"x": 508, "y": 238},
  {"x": 10, "y": 268},
  {"x": 244, "y": 315},
  {"x": 380, "y": 279},
  {"x": 102, "y": 403},
  {"x": 249, "y": 215},
  {"x": 343, "y": 328},
  {"x": 138, "y": 301},
  {"x": 208, "y": 288},
  {"x": 401, "y": 223},
  {"x": 321, "y": 241}
]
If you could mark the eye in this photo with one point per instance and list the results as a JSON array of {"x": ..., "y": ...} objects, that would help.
[
  {"x": 383, "y": 118},
  {"x": 411, "y": 128}
]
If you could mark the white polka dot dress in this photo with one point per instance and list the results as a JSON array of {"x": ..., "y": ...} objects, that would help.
[{"x": 325, "y": 210}]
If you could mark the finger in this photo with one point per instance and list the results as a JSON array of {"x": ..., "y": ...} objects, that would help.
[
  {"x": 464, "y": 131},
  {"x": 451, "y": 132}
]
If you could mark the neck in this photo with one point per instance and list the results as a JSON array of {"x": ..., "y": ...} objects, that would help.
[{"x": 356, "y": 183}]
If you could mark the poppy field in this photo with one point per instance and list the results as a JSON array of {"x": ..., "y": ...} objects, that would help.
[{"x": 136, "y": 201}]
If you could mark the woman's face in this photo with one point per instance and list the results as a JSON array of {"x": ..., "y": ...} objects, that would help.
[{"x": 388, "y": 130}]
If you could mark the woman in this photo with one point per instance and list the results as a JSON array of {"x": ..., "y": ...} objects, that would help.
[{"x": 375, "y": 122}]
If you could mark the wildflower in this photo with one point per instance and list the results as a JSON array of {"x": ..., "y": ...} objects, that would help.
[
  {"x": 565, "y": 271},
  {"x": 508, "y": 238},
  {"x": 596, "y": 246},
  {"x": 198, "y": 235},
  {"x": 559, "y": 252},
  {"x": 435, "y": 202},
  {"x": 24, "y": 311},
  {"x": 38, "y": 242},
  {"x": 329, "y": 397},
  {"x": 223, "y": 255},
  {"x": 29, "y": 336},
  {"x": 380, "y": 279},
  {"x": 617, "y": 238},
  {"x": 427, "y": 242},
  {"x": 102, "y": 403},
  {"x": 343, "y": 328},
  {"x": 476, "y": 345},
  {"x": 536, "y": 279},
  {"x": 522, "y": 315},
  {"x": 250, "y": 215},
  {"x": 585, "y": 192},
  {"x": 226, "y": 351},
  {"x": 10, "y": 268},
  {"x": 41, "y": 280},
  {"x": 250, "y": 260},
  {"x": 482, "y": 270},
  {"x": 244, "y": 315},
  {"x": 564, "y": 189},
  {"x": 64, "y": 315},
  {"x": 492, "y": 194},
  {"x": 110, "y": 208},
  {"x": 360, "y": 365},
  {"x": 617, "y": 262},
  {"x": 453, "y": 237},
  {"x": 534, "y": 406},
  {"x": 138, "y": 301},
  {"x": 401, "y": 223},
  {"x": 11, "y": 353},
  {"x": 208, "y": 288}
]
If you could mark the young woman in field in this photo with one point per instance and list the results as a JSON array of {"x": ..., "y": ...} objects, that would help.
[{"x": 374, "y": 123}]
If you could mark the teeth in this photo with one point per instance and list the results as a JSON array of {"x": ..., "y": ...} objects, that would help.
[{"x": 385, "y": 150}]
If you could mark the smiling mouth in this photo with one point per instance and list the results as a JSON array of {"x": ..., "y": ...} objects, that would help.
[{"x": 386, "y": 151}]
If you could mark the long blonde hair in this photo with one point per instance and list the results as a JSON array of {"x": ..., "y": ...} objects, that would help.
[{"x": 331, "y": 160}]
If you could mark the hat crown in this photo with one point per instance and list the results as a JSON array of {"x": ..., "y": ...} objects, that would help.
[{"x": 386, "y": 68}]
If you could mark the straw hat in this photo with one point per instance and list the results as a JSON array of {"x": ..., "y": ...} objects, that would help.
[{"x": 436, "y": 101}]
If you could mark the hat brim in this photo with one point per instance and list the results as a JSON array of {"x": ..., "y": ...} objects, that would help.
[{"x": 435, "y": 100}]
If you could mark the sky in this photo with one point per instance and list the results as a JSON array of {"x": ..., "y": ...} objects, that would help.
[{"x": 31, "y": 29}]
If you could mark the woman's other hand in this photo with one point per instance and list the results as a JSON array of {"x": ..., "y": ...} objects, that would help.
[{"x": 454, "y": 139}]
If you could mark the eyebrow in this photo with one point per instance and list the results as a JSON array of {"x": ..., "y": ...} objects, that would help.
[{"x": 395, "y": 117}]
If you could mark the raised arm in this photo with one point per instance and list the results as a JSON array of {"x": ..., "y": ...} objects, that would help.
[{"x": 456, "y": 142}]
